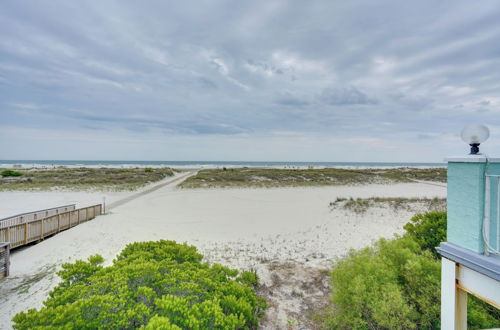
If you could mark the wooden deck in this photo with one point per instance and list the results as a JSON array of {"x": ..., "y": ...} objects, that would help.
[{"x": 27, "y": 229}]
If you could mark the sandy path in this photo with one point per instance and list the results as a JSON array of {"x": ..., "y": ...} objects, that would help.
[{"x": 289, "y": 235}]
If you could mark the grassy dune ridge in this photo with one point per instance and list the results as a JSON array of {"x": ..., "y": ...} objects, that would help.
[
  {"x": 266, "y": 177},
  {"x": 361, "y": 205},
  {"x": 83, "y": 178}
]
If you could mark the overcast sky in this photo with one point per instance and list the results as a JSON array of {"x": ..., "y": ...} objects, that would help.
[{"x": 247, "y": 80}]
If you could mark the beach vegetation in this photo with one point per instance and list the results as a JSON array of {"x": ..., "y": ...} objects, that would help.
[
  {"x": 395, "y": 284},
  {"x": 150, "y": 285},
  {"x": 361, "y": 205},
  {"x": 272, "y": 177},
  {"x": 6, "y": 173},
  {"x": 428, "y": 230},
  {"x": 116, "y": 179}
]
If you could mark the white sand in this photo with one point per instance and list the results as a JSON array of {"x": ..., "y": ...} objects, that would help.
[{"x": 282, "y": 233}]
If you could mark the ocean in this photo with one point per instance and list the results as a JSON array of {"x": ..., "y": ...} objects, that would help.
[{"x": 204, "y": 164}]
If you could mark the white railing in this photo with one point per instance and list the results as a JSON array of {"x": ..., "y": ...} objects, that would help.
[{"x": 491, "y": 223}]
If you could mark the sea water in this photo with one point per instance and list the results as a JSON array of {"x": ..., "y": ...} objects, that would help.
[{"x": 204, "y": 164}]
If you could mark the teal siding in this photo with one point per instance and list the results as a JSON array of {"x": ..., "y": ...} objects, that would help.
[
  {"x": 466, "y": 189},
  {"x": 493, "y": 168}
]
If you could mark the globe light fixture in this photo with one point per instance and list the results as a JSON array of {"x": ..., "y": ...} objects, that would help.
[{"x": 474, "y": 135}]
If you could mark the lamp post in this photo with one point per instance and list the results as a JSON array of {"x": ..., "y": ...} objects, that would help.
[{"x": 474, "y": 135}]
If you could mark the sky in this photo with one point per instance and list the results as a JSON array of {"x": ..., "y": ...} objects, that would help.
[{"x": 247, "y": 80}]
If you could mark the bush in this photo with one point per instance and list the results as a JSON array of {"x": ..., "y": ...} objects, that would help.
[
  {"x": 395, "y": 284},
  {"x": 153, "y": 285},
  {"x": 428, "y": 230},
  {"x": 10, "y": 173},
  {"x": 392, "y": 285}
]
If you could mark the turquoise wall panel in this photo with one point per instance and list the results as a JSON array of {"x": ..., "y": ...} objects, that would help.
[
  {"x": 466, "y": 206},
  {"x": 494, "y": 239}
]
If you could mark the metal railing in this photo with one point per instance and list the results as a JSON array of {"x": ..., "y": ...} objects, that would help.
[{"x": 491, "y": 223}]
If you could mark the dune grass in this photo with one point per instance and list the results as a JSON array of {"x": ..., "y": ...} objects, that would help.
[
  {"x": 118, "y": 179},
  {"x": 266, "y": 177},
  {"x": 361, "y": 205}
]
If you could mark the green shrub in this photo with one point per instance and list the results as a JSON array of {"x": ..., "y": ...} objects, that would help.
[
  {"x": 10, "y": 173},
  {"x": 151, "y": 285},
  {"x": 395, "y": 284},
  {"x": 428, "y": 230},
  {"x": 381, "y": 287}
]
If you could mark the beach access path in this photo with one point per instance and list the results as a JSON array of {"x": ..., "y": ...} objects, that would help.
[{"x": 290, "y": 236}]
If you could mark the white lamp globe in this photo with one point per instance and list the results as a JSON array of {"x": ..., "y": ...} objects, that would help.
[{"x": 475, "y": 134}]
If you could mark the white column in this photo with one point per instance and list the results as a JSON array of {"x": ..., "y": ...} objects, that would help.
[
  {"x": 453, "y": 300},
  {"x": 461, "y": 310}
]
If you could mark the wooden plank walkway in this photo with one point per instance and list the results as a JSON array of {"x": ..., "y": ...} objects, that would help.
[
  {"x": 28, "y": 229},
  {"x": 150, "y": 190}
]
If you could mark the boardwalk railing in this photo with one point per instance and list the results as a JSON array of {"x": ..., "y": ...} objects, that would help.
[
  {"x": 4, "y": 259},
  {"x": 27, "y": 228},
  {"x": 36, "y": 215}
]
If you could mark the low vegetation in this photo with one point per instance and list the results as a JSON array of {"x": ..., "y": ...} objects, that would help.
[
  {"x": 361, "y": 205},
  {"x": 395, "y": 284},
  {"x": 82, "y": 178},
  {"x": 151, "y": 285},
  {"x": 266, "y": 177},
  {"x": 6, "y": 173}
]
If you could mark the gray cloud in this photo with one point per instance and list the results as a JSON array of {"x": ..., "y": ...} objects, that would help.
[
  {"x": 345, "y": 96},
  {"x": 251, "y": 69},
  {"x": 289, "y": 99}
]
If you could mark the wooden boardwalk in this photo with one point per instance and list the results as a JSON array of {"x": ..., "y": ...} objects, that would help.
[{"x": 31, "y": 227}]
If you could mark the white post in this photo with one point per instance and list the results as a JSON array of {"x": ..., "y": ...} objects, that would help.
[
  {"x": 453, "y": 300},
  {"x": 461, "y": 309},
  {"x": 104, "y": 205}
]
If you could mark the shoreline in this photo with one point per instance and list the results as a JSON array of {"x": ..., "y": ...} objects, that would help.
[{"x": 198, "y": 165}]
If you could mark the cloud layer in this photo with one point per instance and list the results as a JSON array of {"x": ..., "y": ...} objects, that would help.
[{"x": 261, "y": 80}]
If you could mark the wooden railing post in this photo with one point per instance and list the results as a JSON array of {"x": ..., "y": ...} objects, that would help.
[
  {"x": 41, "y": 229},
  {"x": 59, "y": 222},
  {"x": 7, "y": 259},
  {"x": 25, "y": 233}
]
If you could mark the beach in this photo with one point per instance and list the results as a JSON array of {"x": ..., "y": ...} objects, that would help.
[{"x": 290, "y": 236}]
